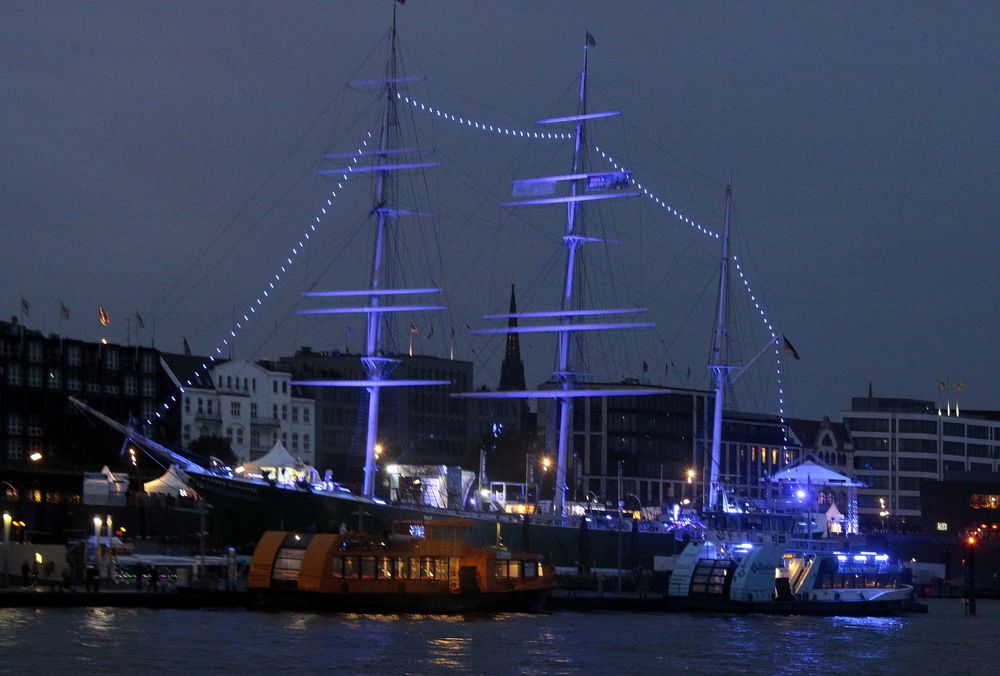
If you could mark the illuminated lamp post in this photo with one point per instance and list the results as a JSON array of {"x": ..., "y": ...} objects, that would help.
[
  {"x": 6, "y": 538},
  {"x": 97, "y": 537},
  {"x": 970, "y": 574}
]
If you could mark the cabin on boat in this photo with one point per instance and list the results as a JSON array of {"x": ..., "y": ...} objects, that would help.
[{"x": 430, "y": 557}]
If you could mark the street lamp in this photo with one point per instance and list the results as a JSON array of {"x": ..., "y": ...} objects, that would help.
[
  {"x": 7, "y": 518},
  {"x": 35, "y": 457}
]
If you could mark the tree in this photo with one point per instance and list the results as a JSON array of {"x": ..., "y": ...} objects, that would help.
[{"x": 214, "y": 446}]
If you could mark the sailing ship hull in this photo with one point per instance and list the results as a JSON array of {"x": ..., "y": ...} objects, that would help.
[{"x": 241, "y": 511}]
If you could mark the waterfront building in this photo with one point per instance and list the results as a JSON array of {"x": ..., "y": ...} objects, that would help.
[
  {"x": 656, "y": 438},
  {"x": 901, "y": 443},
  {"x": 250, "y": 404},
  {"x": 39, "y": 427},
  {"x": 417, "y": 426}
]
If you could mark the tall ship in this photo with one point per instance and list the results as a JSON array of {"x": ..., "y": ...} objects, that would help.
[{"x": 245, "y": 504}]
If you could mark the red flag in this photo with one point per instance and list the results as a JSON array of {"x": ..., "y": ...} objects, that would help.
[
  {"x": 790, "y": 349},
  {"x": 103, "y": 316}
]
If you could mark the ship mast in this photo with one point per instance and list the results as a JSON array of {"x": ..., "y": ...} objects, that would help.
[
  {"x": 376, "y": 365},
  {"x": 719, "y": 366},
  {"x": 564, "y": 376},
  {"x": 584, "y": 186},
  {"x": 388, "y": 158}
]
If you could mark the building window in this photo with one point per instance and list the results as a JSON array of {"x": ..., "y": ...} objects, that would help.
[
  {"x": 229, "y": 435},
  {"x": 13, "y": 423},
  {"x": 239, "y": 436},
  {"x": 284, "y": 387},
  {"x": 209, "y": 406},
  {"x": 274, "y": 386},
  {"x": 187, "y": 404},
  {"x": 148, "y": 387},
  {"x": 234, "y": 409},
  {"x": 305, "y": 442},
  {"x": 34, "y": 376},
  {"x": 128, "y": 384},
  {"x": 73, "y": 355},
  {"x": 253, "y": 409},
  {"x": 201, "y": 406},
  {"x": 305, "y": 414},
  {"x": 274, "y": 410},
  {"x": 254, "y": 438},
  {"x": 284, "y": 412},
  {"x": 14, "y": 374},
  {"x": 295, "y": 414},
  {"x": 295, "y": 441},
  {"x": 187, "y": 433},
  {"x": 284, "y": 438},
  {"x": 35, "y": 352},
  {"x": 55, "y": 379},
  {"x": 14, "y": 447},
  {"x": 111, "y": 359},
  {"x": 253, "y": 383},
  {"x": 149, "y": 363}
]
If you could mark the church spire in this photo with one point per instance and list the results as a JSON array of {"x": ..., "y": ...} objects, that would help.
[{"x": 512, "y": 368}]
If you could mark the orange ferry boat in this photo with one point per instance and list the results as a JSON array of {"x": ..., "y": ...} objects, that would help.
[{"x": 426, "y": 567}]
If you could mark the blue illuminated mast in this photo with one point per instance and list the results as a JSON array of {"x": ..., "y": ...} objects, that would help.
[
  {"x": 584, "y": 186},
  {"x": 720, "y": 357},
  {"x": 386, "y": 160}
]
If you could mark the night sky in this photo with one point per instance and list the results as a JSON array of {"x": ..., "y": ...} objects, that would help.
[{"x": 158, "y": 158}]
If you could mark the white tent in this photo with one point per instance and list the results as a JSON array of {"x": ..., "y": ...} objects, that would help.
[
  {"x": 171, "y": 483},
  {"x": 809, "y": 472},
  {"x": 280, "y": 465}
]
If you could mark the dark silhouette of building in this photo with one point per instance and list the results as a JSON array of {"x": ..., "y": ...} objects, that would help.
[{"x": 512, "y": 368}]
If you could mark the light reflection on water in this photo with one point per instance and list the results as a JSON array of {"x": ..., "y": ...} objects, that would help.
[{"x": 83, "y": 640}]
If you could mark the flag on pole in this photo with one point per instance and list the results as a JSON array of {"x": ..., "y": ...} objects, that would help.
[
  {"x": 645, "y": 366},
  {"x": 25, "y": 307},
  {"x": 139, "y": 324},
  {"x": 942, "y": 385},
  {"x": 790, "y": 349},
  {"x": 414, "y": 330},
  {"x": 187, "y": 348},
  {"x": 431, "y": 332},
  {"x": 103, "y": 316},
  {"x": 959, "y": 386},
  {"x": 63, "y": 311},
  {"x": 591, "y": 42}
]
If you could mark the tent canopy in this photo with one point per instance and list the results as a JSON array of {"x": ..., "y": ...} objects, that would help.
[
  {"x": 171, "y": 483},
  {"x": 808, "y": 472},
  {"x": 277, "y": 457}
]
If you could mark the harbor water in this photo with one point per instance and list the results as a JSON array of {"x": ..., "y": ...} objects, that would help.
[{"x": 107, "y": 640}]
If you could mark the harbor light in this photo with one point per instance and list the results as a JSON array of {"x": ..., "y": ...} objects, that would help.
[
  {"x": 38, "y": 558},
  {"x": 35, "y": 457},
  {"x": 546, "y": 463},
  {"x": 690, "y": 475},
  {"x": 378, "y": 451}
]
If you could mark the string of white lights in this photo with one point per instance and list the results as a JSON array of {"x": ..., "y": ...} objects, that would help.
[
  {"x": 239, "y": 324},
  {"x": 500, "y": 130},
  {"x": 739, "y": 269}
]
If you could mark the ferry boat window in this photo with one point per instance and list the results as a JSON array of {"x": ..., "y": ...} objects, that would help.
[
  {"x": 367, "y": 567},
  {"x": 515, "y": 569},
  {"x": 426, "y": 568},
  {"x": 337, "y": 567},
  {"x": 399, "y": 569},
  {"x": 530, "y": 568},
  {"x": 414, "y": 572},
  {"x": 501, "y": 570},
  {"x": 287, "y": 564},
  {"x": 351, "y": 567},
  {"x": 440, "y": 568},
  {"x": 453, "y": 565},
  {"x": 384, "y": 567}
]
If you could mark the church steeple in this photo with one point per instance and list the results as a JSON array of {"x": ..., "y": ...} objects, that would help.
[{"x": 512, "y": 368}]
